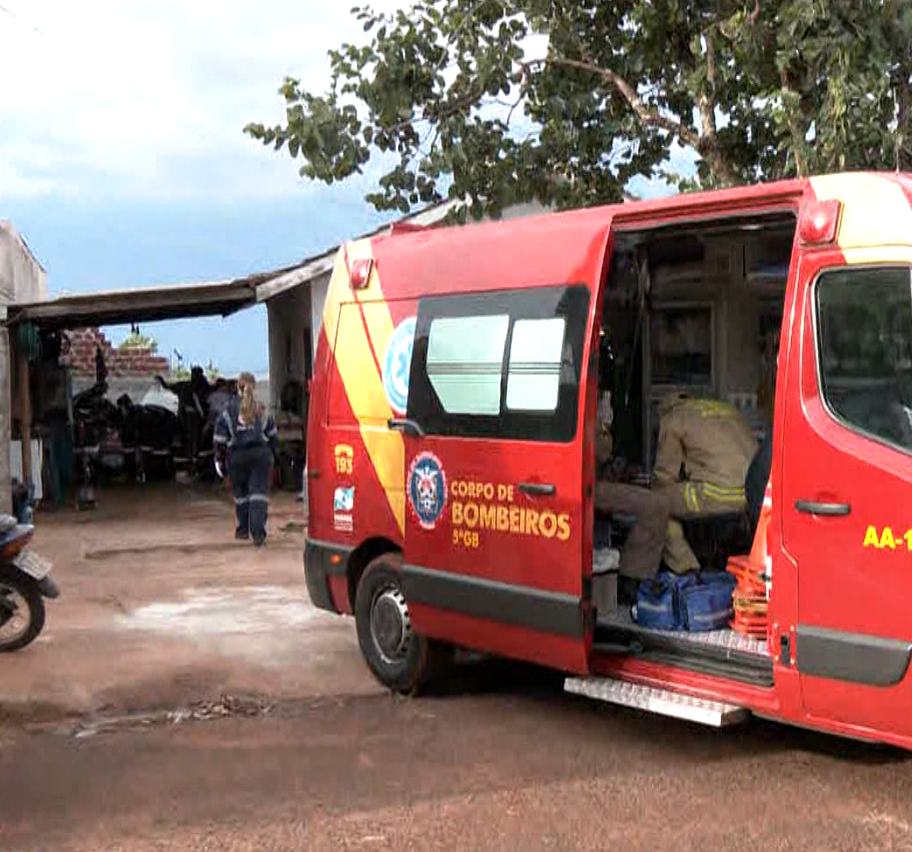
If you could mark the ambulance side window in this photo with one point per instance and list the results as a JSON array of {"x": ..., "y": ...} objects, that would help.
[
  {"x": 534, "y": 368},
  {"x": 502, "y": 364},
  {"x": 464, "y": 360},
  {"x": 864, "y": 328}
]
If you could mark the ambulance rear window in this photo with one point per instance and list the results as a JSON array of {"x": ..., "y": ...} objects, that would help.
[{"x": 502, "y": 364}]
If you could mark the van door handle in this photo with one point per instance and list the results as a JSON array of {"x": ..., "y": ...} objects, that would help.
[
  {"x": 812, "y": 508},
  {"x": 406, "y": 425},
  {"x": 545, "y": 488}
]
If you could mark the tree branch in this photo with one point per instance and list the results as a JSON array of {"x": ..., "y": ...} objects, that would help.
[
  {"x": 903, "y": 97},
  {"x": 794, "y": 129},
  {"x": 706, "y": 99},
  {"x": 706, "y": 103},
  {"x": 711, "y": 61},
  {"x": 752, "y": 17},
  {"x": 513, "y": 109},
  {"x": 647, "y": 117}
]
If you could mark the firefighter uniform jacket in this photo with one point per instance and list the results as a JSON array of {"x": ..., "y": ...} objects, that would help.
[{"x": 709, "y": 441}]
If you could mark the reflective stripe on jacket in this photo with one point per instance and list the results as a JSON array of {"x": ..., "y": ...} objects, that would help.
[{"x": 231, "y": 433}]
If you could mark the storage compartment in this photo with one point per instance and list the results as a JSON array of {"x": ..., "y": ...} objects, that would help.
[{"x": 693, "y": 307}]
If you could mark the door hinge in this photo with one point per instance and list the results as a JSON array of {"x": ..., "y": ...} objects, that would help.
[{"x": 785, "y": 650}]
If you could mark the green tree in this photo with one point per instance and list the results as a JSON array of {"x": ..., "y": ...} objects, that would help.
[
  {"x": 458, "y": 104},
  {"x": 136, "y": 340},
  {"x": 845, "y": 84}
]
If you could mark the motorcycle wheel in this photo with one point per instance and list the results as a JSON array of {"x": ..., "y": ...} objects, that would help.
[{"x": 27, "y": 618}]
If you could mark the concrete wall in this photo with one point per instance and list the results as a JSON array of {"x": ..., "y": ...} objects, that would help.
[
  {"x": 22, "y": 279},
  {"x": 289, "y": 319}
]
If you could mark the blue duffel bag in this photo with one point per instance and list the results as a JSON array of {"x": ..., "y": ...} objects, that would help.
[
  {"x": 695, "y": 602},
  {"x": 658, "y": 605},
  {"x": 707, "y": 604}
]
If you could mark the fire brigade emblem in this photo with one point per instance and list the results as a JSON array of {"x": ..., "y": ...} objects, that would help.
[
  {"x": 398, "y": 364},
  {"x": 427, "y": 489}
]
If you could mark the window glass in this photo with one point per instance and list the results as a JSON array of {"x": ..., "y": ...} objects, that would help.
[
  {"x": 534, "y": 372},
  {"x": 681, "y": 345},
  {"x": 500, "y": 363},
  {"x": 864, "y": 320},
  {"x": 465, "y": 362}
]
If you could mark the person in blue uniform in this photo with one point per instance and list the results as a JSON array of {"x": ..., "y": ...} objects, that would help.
[{"x": 246, "y": 442}]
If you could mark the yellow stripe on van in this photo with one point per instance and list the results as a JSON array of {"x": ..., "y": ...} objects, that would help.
[
  {"x": 875, "y": 209},
  {"x": 361, "y": 375}
]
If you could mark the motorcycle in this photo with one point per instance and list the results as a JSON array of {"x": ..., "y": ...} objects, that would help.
[{"x": 25, "y": 582}]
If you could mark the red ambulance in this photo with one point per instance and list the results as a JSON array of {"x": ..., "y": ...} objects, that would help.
[{"x": 453, "y": 419}]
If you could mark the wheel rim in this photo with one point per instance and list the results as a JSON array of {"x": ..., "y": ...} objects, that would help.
[
  {"x": 390, "y": 625},
  {"x": 17, "y": 625}
]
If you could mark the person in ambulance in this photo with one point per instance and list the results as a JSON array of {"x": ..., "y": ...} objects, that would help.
[
  {"x": 704, "y": 450},
  {"x": 642, "y": 551}
]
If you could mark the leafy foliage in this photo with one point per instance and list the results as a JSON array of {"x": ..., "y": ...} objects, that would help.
[
  {"x": 846, "y": 84},
  {"x": 564, "y": 101},
  {"x": 136, "y": 340}
]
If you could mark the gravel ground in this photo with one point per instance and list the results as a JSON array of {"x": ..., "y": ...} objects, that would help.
[{"x": 503, "y": 762}]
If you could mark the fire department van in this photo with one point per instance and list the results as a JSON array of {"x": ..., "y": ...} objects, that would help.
[{"x": 453, "y": 419}]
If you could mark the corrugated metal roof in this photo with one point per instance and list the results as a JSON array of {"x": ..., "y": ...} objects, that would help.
[
  {"x": 313, "y": 267},
  {"x": 147, "y": 304}
]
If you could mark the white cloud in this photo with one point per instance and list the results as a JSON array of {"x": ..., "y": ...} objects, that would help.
[{"x": 148, "y": 99}]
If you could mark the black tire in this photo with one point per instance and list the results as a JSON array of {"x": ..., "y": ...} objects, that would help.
[
  {"x": 28, "y": 588},
  {"x": 410, "y": 670}
]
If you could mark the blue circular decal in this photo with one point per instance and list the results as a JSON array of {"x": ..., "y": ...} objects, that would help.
[
  {"x": 397, "y": 364},
  {"x": 427, "y": 489}
]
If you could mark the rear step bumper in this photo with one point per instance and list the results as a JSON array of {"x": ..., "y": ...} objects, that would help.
[{"x": 707, "y": 712}]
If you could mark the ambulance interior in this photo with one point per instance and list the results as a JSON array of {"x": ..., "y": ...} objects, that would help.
[{"x": 693, "y": 307}]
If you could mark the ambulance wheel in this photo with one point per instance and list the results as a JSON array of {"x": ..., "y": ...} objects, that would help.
[{"x": 399, "y": 658}]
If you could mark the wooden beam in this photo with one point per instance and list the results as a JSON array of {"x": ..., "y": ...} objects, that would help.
[
  {"x": 25, "y": 411},
  {"x": 295, "y": 278},
  {"x": 6, "y": 372}
]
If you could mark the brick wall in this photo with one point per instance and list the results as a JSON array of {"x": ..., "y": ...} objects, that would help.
[{"x": 120, "y": 362}]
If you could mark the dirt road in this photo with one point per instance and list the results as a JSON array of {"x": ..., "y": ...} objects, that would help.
[
  {"x": 164, "y": 615},
  {"x": 510, "y": 763},
  {"x": 160, "y": 606}
]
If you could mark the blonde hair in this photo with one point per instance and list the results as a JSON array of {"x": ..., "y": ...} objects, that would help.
[{"x": 246, "y": 384}]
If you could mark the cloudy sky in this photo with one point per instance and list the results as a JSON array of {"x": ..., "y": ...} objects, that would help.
[{"x": 122, "y": 159}]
